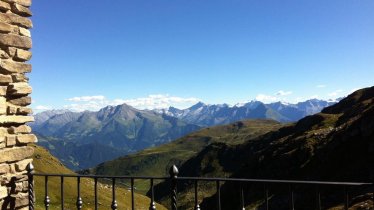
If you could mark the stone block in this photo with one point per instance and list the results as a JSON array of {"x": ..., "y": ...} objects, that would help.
[
  {"x": 4, "y": 6},
  {"x": 15, "y": 19},
  {"x": 3, "y": 192},
  {"x": 15, "y": 154},
  {"x": 22, "y": 199},
  {"x": 26, "y": 3},
  {"x": 20, "y": 78},
  {"x": 3, "y": 54},
  {"x": 19, "y": 187},
  {"x": 3, "y": 105},
  {"x": 24, "y": 32},
  {"x": 24, "y": 111},
  {"x": 21, "y": 10},
  {"x": 8, "y": 66},
  {"x": 5, "y": 28},
  {"x": 22, "y": 165},
  {"x": 5, "y": 79},
  {"x": 12, "y": 110},
  {"x": 15, "y": 119},
  {"x": 3, "y": 90},
  {"x": 11, "y": 51},
  {"x": 20, "y": 88},
  {"x": 20, "y": 101},
  {"x": 11, "y": 140},
  {"x": 26, "y": 138},
  {"x": 23, "y": 129},
  {"x": 4, "y": 168},
  {"x": 22, "y": 55},
  {"x": 15, "y": 41}
]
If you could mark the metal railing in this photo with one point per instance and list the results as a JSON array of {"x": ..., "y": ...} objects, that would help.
[{"x": 174, "y": 181}]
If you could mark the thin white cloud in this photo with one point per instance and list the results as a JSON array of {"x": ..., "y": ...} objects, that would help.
[
  {"x": 266, "y": 98},
  {"x": 42, "y": 108},
  {"x": 157, "y": 101},
  {"x": 87, "y": 98},
  {"x": 314, "y": 97},
  {"x": 335, "y": 93},
  {"x": 283, "y": 93},
  {"x": 321, "y": 86}
]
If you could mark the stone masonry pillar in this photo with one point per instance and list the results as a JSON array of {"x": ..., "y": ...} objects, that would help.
[{"x": 15, "y": 135}]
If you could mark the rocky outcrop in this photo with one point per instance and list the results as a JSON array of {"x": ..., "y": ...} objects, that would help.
[{"x": 15, "y": 44}]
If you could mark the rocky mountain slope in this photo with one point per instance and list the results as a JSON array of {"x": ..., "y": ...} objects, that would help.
[
  {"x": 334, "y": 145},
  {"x": 82, "y": 140}
]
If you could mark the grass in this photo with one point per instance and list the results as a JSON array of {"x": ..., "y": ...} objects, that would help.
[
  {"x": 156, "y": 161},
  {"x": 44, "y": 162}
]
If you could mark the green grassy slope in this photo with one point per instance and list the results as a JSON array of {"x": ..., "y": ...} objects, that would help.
[
  {"x": 156, "y": 161},
  {"x": 44, "y": 162}
]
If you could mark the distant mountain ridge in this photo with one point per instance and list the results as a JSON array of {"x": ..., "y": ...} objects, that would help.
[
  {"x": 114, "y": 131},
  {"x": 218, "y": 114},
  {"x": 82, "y": 140}
]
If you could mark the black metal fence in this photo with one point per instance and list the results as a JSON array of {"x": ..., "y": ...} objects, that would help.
[{"x": 174, "y": 180}]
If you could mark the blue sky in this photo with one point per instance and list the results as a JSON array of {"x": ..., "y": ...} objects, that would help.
[{"x": 154, "y": 53}]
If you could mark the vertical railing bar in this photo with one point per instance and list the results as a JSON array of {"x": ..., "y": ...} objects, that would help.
[
  {"x": 114, "y": 202},
  {"x": 242, "y": 197},
  {"x": 218, "y": 195},
  {"x": 173, "y": 172},
  {"x": 79, "y": 199},
  {"x": 346, "y": 195},
  {"x": 30, "y": 170},
  {"x": 318, "y": 199},
  {"x": 292, "y": 202},
  {"x": 95, "y": 189},
  {"x": 62, "y": 192},
  {"x": 152, "y": 205},
  {"x": 266, "y": 196},
  {"x": 46, "y": 198},
  {"x": 132, "y": 194},
  {"x": 197, "y": 206},
  {"x": 373, "y": 197},
  {"x": 95, "y": 193}
]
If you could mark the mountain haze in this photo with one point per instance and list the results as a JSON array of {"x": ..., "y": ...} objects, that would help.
[{"x": 108, "y": 133}]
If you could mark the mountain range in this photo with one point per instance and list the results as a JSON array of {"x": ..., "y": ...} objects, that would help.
[
  {"x": 220, "y": 114},
  {"x": 119, "y": 130},
  {"x": 82, "y": 140},
  {"x": 335, "y": 144}
]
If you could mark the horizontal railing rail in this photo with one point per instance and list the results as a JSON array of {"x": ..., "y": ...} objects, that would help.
[{"x": 174, "y": 181}]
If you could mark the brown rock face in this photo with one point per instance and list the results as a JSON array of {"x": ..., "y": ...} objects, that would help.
[
  {"x": 15, "y": 119},
  {"x": 26, "y": 3},
  {"x": 5, "y": 28},
  {"x": 15, "y": 19},
  {"x": 21, "y": 10},
  {"x": 4, "y": 6},
  {"x": 15, "y": 154},
  {"x": 22, "y": 101},
  {"x": 22, "y": 55},
  {"x": 5, "y": 79},
  {"x": 26, "y": 138},
  {"x": 19, "y": 129},
  {"x": 15, "y": 41},
  {"x": 3, "y": 105},
  {"x": 20, "y": 88},
  {"x": 8, "y": 66}
]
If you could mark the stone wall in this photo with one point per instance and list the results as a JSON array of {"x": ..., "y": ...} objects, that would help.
[{"x": 15, "y": 135}]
